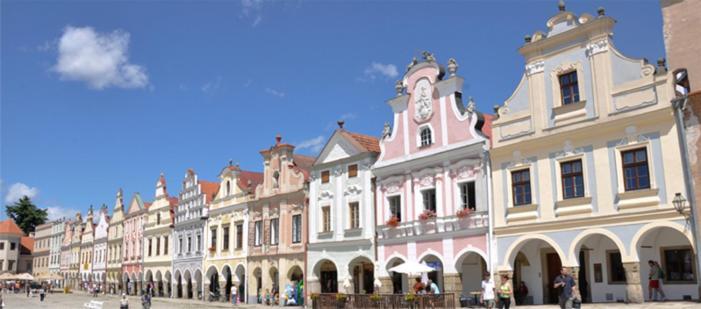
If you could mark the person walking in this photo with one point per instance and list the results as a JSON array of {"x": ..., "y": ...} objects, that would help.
[
  {"x": 145, "y": 299},
  {"x": 566, "y": 282},
  {"x": 504, "y": 292},
  {"x": 233, "y": 294},
  {"x": 124, "y": 302},
  {"x": 42, "y": 293},
  {"x": 653, "y": 286},
  {"x": 487, "y": 295},
  {"x": 418, "y": 286}
]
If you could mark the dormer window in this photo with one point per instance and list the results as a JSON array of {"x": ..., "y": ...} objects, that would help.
[
  {"x": 569, "y": 88},
  {"x": 228, "y": 188},
  {"x": 426, "y": 138}
]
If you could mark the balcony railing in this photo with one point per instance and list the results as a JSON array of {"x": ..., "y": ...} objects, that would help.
[
  {"x": 434, "y": 226},
  {"x": 421, "y": 301}
]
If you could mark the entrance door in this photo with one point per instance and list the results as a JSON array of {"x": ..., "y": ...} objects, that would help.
[
  {"x": 583, "y": 283},
  {"x": 553, "y": 266}
]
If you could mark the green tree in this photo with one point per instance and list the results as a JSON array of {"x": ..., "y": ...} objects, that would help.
[{"x": 27, "y": 215}]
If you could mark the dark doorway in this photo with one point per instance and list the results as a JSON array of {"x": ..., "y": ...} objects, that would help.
[
  {"x": 329, "y": 278},
  {"x": 553, "y": 266},
  {"x": 583, "y": 283}
]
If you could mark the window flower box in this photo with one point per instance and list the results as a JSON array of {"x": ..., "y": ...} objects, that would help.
[
  {"x": 463, "y": 213},
  {"x": 393, "y": 222},
  {"x": 427, "y": 215}
]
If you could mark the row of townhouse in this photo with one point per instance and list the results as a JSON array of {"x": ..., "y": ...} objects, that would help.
[{"x": 581, "y": 167}]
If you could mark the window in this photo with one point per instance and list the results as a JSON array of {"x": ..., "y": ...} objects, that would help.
[
  {"x": 12, "y": 246},
  {"x": 10, "y": 264},
  {"x": 521, "y": 187},
  {"x": 239, "y": 236},
  {"x": 467, "y": 195},
  {"x": 158, "y": 246},
  {"x": 165, "y": 245},
  {"x": 354, "y": 211},
  {"x": 325, "y": 175},
  {"x": 429, "y": 199},
  {"x": 635, "y": 170},
  {"x": 352, "y": 170},
  {"x": 180, "y": 245},
  {"x": 616, "y": 270},
  {"x": 274, "y": 228},
  {"x": 296, "y": 229},
  {"x": 426, "y": 137},
  {"x": 158, "y": 218},
  {"x": 189, "y": 244},
  {"x": 678, "y": 264},
  {"x": 326, "y": 219},
  {"x": 199, "y": 242},
  {"x": 213, "y": 243},
  {"x": 395, "y": 207},
  {"x": 149, "y": 246},
  {"x": 258, "y": 230},
  {"x": 228, "y": 187},
  {"x": 569, "y": 90},
  {"x": 225, "y": 237},
  {"x": 572, "y": 179},
  {"x": 2, "y": 245}
]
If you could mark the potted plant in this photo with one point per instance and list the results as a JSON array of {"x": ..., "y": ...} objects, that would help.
[
  {"x": 212, "y": 249},
  {"x": 314, "y": 296},
  {"x": 427, "y": 215},
  {"x": 340, "y": 297},
  {"x": 393, "y": 222},
  {"x": 375, "y": 297},
  {"x": 411, "y": 297},
  {"x": 463, "y": 213}
]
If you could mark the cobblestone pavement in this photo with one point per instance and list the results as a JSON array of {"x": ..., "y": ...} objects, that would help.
[{"x": 76, "y": 301}]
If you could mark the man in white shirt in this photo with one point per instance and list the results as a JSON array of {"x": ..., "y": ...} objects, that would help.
[{"x": 487, "y": 296}]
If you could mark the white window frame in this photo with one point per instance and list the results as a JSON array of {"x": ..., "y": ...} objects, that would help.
[
  {"x": 558, "y": 175},
  {"x": 402, "y": 211},
  {"x": 419, "y": 129}
]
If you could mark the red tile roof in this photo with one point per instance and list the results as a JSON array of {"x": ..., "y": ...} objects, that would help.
[
  {"x": 209, "y": 189},
  {"x": 366, "y": 142},
  {"x": 487, "y": 126},
  {"x": 27, "y": 244},
  {"x": 255, "y": 178},
  {"x": 10, "y": 227}
]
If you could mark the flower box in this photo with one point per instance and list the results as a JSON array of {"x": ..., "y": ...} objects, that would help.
[
  {"x": 463, "y": 213},
  {"x": 427, "y": 215},
  {"x": 393, "y": 222}
]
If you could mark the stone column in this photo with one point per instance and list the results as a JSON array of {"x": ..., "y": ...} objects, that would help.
[
  {"x": 386, "y": 287},
  {"x": 453, "y": 284},
  {"x": 634, "y": 291}
]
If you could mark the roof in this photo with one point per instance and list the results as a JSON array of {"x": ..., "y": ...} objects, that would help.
[
  {"x": 27, "y": 244},
  {"x": 367, "y": 142},
  {"x": 487, "y": 126},
  {"x": 304, "y": 164},
  {"x": 209, "y": 189},
  {"x": 10, "y": 227},
  {"x": 255, "y": 178}
]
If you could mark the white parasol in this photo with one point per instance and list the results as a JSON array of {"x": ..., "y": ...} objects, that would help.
[{"x": 412, "y": 268}]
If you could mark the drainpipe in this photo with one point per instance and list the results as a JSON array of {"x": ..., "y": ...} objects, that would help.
[
  {"x": 490, "y": 206},
  {"x": 679, "y": 105}
]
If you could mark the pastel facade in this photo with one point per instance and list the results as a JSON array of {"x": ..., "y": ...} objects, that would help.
[
  {"x": 227, "y": 233},
  {"x": 99, "y": 259},
  {"x": 585, "y": 164},
  {"x": 133, "y": 245},
  {"x": 115, "y": 254},
  {"x": 432, "y": 183},
  {"x": 188, "y": 235},
  {"x": 76, "y": 236},
  {"x": 277, "y": 233},
  {"x": 157, "y": 237},
  {"x": 341, "y": 251},
  {"x": 66, "y": 257},
  {"x": 42, "y": 237},
  {"x": 55, "y": 247},
  {"x": 10, "y": 238},
  {"x": 87, "y": 250}
]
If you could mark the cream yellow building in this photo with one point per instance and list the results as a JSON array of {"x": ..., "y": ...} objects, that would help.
[
  {"x": 115, "y": 234},
  {"x": 86, "y": 250},
  {"x": 227, "y": 233},
  {"x": 157, "y": 241},
  {"x": 42, "y": 239},
  {"x": 585, "y": 166}
]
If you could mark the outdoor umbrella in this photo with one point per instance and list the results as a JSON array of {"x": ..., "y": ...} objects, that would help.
[
  {"x": 25, "y": 276},
  {"x": 7, "y": 276},
  {"x": 412, "y": 268}
]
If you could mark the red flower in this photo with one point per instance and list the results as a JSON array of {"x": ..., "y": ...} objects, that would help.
[
  {"x": 393, "y": 221},
  {"x": 463, "y": 213},
  {"x": 427, "y": 214}
]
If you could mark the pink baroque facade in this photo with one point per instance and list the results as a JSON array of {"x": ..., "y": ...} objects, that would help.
[
  {"x": 431, "y": 183},
  {"x": 133, "y": 245}
]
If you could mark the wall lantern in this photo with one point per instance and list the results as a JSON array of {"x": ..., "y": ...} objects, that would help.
[{"x": 679, "y": 203}]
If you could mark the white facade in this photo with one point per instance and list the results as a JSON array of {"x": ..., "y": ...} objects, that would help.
[
  {"x": 99, "y": 263},
  {"x": 57, "y": 230},
  {"x": 341, "y": 250}
]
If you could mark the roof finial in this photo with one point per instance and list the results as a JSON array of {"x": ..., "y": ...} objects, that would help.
[
  {"x": 340, "y": 123},
  {"x": 231, "y": 162},
  {"x": 452, "y": 66},
  {"x": 527, "y": 38},
  {"x": 561, "y": 5},
  {"x": 601, "y": 11},
  {"x": 278, "y": 138}
]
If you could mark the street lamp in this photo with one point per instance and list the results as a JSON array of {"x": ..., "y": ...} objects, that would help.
[{"x": 679, "y": 203}]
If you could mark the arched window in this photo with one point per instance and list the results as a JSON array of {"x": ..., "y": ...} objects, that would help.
[
  {"x": 426, "y": 137},
  {"x": 228, "y": 187}
]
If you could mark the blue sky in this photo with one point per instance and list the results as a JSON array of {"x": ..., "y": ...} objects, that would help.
[{"x": 98, "y": 96}]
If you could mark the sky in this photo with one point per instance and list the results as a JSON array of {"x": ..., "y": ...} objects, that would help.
[{"x": 100, "y": 96}]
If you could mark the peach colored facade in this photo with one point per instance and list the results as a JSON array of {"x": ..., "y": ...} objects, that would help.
[{"x": 133, "y": 244}]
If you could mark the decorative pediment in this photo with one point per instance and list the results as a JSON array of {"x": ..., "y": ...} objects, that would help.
[
  {"x": 352, "y": 190},
  {"x": 519, "y": 160},
  {"x": 632, "y": 137},
  {"x": 325, "y": 195},
  {"x": 392, "y": 184}
]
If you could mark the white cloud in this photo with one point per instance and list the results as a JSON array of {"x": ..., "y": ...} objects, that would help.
[
  {"x": 376, "y": 69},
  {"x": 274, "y": 92},
  {"x": 57, "y": 212},
  {"x": 257, "y": 21},
  {"x": 314, "y": 144},
  {"x": 99, "y": 59},
  {"x": 212, "y": 86},
  {"x": 250, "y": 9},
  {"x": 18, "y": 190},
  {"x": 248, "y": 83}
]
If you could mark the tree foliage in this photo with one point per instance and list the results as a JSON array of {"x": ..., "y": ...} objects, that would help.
[{"x": 27, "y": 215}]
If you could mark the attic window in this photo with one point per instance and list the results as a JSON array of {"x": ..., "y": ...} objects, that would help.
[
  {"x": 325, "y": 175},
  {"x": 426, "y": 139},
  {"x": 228, "y": 187},
  {"x": 352, "y": 170},
  {"x": 569, "y": 88}
]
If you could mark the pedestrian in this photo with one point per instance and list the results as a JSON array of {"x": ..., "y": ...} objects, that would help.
[
  {"x": 487, "y": 295},
  {"x": 124, "y": 302},
  {"x": 521, "y": 293},
  {"x": 42, "y": 293},
  {"x": 566, "y": 282},
  {"x": 418, "y": 286},
  {"x": 654, "y": 277},
  {"x": 29, "y": 291},
  {"x": 504, "y": 292},
  {"x": 233, "y": 294},
  {"x": 434, "y": 287},
  {"x": 145, "y": 300}
]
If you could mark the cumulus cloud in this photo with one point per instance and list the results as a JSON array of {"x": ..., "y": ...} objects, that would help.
[
  {"x": 274, "y": 92},
  {"x": 18, "y": 190},
  {"x": 313, "y": 144},
  {"x": 57, "y": 212},
  {"x": 376, "y": 69},
  {"x": 99, "y": 59}
]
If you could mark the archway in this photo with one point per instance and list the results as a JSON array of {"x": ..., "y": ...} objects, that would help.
[
  {"x": 671, "y": 248},
  {"x": 228, "y": 282},
  {"x": 213, "y": 281},
  {"x": 296, "y": 278},
  {"x": 435, "y": 276},
  {"x": 168, "y": 284},
  {"x": 471, "y": 265},
  {"x": 127, "y": 283},
  {"x": 150, "y": 286},
  {"x": 600, "y": 255},
  {"x": 326, "y": 271},
  {"x": 187, "y": 279},
  {"x": 399, "y": 281},
  {"x": 258, "y": 275},
  {"x": 241, "y": 283},
  {"x": 158, "y": 289},
  {"x": 179, "y": 284},
  {"x": 274, "y": 277},
  {"x": 362, "y": 271},
  {"x": 134, "y": 283},
  {"x": 536, "y": 260},
  {"x": 198, "y": 282}
]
